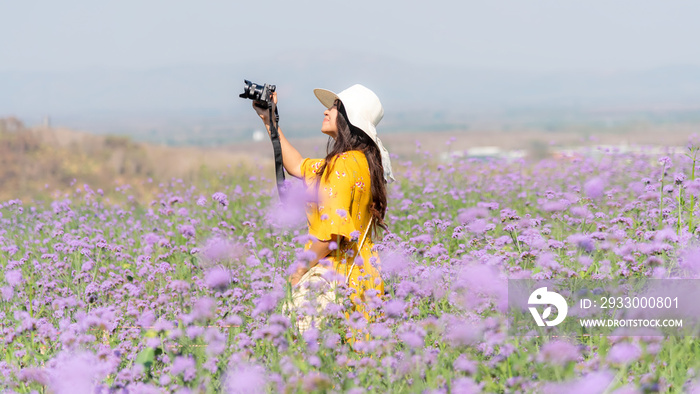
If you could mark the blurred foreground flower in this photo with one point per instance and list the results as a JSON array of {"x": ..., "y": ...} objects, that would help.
[
  {"x": 624, "y": 353},
  {"x": 76, "y": 373},
  {"x": 559, "y": 352},
  {"x": 218, "y": 278},
  {"x": 594, "y": 187},
  {"x": 219, "y": 250},
  {"x": 594, "y": 382},
  {"x": 244, "y": 378}
]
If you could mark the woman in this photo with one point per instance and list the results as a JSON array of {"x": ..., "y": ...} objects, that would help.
[{"x": 351, "y": 186}]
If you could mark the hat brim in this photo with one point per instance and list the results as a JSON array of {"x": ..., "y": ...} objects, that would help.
[{"x": 326, "y": 97}]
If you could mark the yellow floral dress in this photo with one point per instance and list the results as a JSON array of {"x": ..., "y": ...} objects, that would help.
[{"x": 342, "y": 208}]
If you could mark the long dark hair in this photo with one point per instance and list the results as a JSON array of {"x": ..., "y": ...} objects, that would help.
[{"x": 352, "y": 138}]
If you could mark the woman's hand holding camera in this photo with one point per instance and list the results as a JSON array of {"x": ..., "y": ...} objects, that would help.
[{"x": 264, "y": 112}]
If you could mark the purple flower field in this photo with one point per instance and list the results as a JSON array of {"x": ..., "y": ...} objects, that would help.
[{"x": 184, "y": 293}]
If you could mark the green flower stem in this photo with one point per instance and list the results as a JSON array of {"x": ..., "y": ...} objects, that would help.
[{"x": 691, "y": 229}]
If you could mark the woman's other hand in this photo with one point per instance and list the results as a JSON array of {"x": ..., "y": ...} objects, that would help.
[
  {"x": 296, "y": 276},
  {"x": 321, "y": 249}
]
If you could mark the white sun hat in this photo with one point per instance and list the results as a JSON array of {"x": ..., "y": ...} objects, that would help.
[{"x": 364, "y": 111}]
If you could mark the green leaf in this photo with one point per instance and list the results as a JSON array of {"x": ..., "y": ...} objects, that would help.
[{"x": 146, "y": 358}]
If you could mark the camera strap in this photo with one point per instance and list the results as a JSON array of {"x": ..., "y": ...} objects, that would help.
[{"x": 277, "y": 148}]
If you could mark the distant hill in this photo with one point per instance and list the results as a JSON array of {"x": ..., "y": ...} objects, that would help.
[{"x": 199, "y": 104}]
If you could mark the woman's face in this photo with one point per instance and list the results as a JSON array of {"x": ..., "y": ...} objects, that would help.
[{"x": 329, "y": 126}]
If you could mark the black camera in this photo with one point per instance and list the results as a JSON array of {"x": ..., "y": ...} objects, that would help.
[{"x": 260, "y": 93}]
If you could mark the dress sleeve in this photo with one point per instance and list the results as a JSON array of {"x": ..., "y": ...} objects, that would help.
[
  {"x": 336, "y": 200},
  {"x": 309, "y": 167}
]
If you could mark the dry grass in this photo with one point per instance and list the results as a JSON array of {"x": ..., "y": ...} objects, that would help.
[{"x": 32, "y": 158}]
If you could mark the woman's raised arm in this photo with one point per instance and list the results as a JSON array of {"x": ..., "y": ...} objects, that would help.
[{"x": 291, "y": 158}]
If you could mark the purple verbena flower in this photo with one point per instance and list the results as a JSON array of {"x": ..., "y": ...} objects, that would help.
[{"x": 221, "y": 198}]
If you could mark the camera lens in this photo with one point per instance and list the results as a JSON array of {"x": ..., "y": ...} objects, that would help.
[
  {"x": 258, "y": 92},
  {"x": 255, "y": 92}
]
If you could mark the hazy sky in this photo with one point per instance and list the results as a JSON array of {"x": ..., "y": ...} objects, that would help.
[{"x": 601, "y": 35}]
